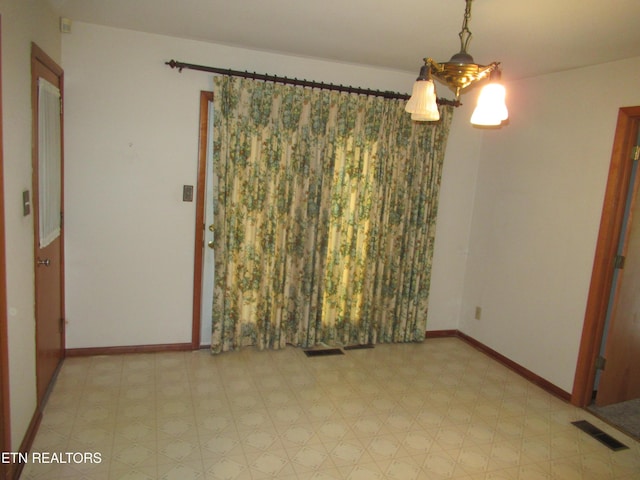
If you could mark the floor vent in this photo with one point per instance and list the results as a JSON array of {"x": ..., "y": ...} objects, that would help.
[
  {"x": 358, "y": 347},
  {"x": 599, "y": 435},
  {"x": 323, "y": 352}
]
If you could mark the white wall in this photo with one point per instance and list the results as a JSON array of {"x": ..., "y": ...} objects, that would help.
[
  {"x": 457, "y": 194},
  {"x": 519, "y": 208},
  {"x": 536, "y": 215},
  {"x": 23, "y": 22},
  {"x": 131, "y": 128}
]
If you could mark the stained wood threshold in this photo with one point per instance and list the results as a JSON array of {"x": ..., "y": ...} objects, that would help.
[{"x": 546, "y": 385}]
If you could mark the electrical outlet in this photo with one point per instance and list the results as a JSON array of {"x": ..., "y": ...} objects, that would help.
[{"x": 478, "y": 313}]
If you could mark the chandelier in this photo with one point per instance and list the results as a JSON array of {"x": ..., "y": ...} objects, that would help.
[{"x": 459, "y": 73}]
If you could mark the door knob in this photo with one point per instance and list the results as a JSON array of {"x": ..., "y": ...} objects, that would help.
[
  {"x": 211, "y": 227},
  {"x": 46, "y": 262},
  {"x": 211, "y": 244}
]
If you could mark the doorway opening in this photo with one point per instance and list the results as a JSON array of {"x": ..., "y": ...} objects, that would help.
[
  {"x": 203, "y": 255},
  {"x": 609, "y": 318}
]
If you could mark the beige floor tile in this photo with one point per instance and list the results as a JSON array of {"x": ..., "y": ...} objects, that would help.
[
  {"x": 227, "y": 468},
  {"x": 437, "y": 410},
  {"x": 188, "y": 470}
]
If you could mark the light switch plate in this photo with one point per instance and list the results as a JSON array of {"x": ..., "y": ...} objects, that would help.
[
  {"x": 26, "y": 203},
  {"x": 187, "y": 193}
]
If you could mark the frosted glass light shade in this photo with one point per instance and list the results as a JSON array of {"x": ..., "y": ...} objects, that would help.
[
  {"x": 491, "y": 109},
  {"x": 422, "y": 105}
]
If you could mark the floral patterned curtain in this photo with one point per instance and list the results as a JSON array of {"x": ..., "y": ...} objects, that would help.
[{"x": 325, "y": 206}]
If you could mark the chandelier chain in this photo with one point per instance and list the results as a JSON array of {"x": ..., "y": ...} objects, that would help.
[{"x": 465, "y": 33}]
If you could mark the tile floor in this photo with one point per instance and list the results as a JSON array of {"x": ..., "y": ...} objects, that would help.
[{"x": 431, "y": 411}]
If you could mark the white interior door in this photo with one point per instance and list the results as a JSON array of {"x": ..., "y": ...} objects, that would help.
[{"x": 208, "y": 254}]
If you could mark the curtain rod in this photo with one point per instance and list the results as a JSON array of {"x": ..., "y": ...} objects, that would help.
[{"x": 304, "y": 83}]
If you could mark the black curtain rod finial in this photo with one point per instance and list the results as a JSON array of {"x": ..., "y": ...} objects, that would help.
[{"x": 174, "y": 64}]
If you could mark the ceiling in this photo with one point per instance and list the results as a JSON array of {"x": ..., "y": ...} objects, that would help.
[{"x": 529, "y": 37}]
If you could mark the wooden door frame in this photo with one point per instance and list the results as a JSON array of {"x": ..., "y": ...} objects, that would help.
[
  {"x": 5, "y": 426},
  {"x": 40, "y": 58},
  {"x": 203, "y": 136},
  {"x": 606, "y": 250}
]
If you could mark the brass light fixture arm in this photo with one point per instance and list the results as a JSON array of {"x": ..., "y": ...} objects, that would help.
[{"x": 434, "y": 67}]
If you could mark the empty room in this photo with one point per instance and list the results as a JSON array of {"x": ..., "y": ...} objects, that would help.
[{"x": 330, "y": 240}]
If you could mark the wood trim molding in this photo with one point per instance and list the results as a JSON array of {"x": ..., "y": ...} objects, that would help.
[
  {"x": 440, "y": 333},
  {"x": 27, "y": 441},
  {"x": 90, "y": 351},
  {"x": 527, "y": 374},
  {"x": 602, "y": 273},
  {"x": 205, "y": 98},
  {"x": 516, "y": 367},
  {"x": 5, "y": 412}
]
